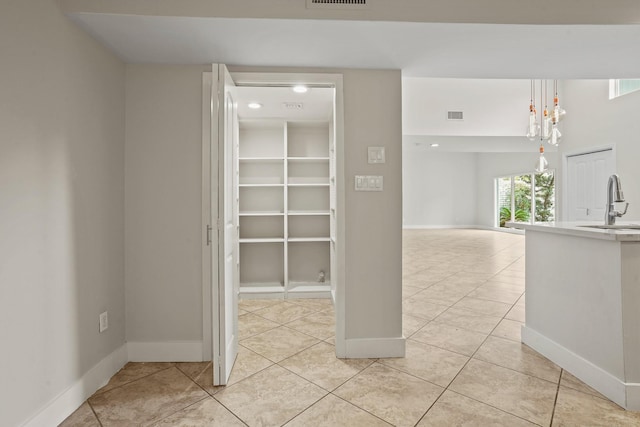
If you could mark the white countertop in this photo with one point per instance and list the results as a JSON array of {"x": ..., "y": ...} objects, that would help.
[{"x": 577, "y": 229}]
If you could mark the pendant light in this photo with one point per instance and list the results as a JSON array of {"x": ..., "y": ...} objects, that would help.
[
  {"x": 533, "y": 129},
  {"x": 557, "y": 114},
  {"x": 542, "y": 165},
  {"x": 545, "y": 131}
]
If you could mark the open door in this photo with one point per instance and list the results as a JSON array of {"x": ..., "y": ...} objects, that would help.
[{"x": 224, "y": 143}]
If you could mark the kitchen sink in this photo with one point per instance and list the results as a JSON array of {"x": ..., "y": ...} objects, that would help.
[{"x": 614, "y": 226}]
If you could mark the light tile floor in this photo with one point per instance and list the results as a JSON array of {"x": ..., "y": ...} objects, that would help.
[{"x": 463, "y": 294}]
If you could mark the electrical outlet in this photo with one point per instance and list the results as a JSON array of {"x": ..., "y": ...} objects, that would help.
[{"x": 104, "y": 321}]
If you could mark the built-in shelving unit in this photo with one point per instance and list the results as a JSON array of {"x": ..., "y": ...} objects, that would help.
[{"x": 286, "y": 190}]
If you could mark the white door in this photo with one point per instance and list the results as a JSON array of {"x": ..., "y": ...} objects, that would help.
[
  {"x": 224, "y": 134},
  {"x": 587, "y": 176}
]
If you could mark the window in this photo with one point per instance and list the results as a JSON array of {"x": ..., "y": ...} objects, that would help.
[
  {"x": 619, "y": 87},
  {"x": 525, "y": 198}
]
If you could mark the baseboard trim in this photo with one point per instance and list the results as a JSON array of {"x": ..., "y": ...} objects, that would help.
[
  {"x": 165, "y": 351},
  {"x": 368, "y": 348},
  {"x": 592, "y": 375},
  {"x": 438, "y": 227},
  {"x": 633, "y": 397},
  {"x": 69, "y": 400},
  {"x": 463, "y": 227}
]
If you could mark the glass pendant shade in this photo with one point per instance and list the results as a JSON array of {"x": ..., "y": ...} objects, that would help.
[
  {"x": 533, "y": 129},
  {"x": 556, "y": 135},
  {"x": 542, "y": 165},
  {"x": 547, "y": 126},
  {"x": 557, "y": 113}
]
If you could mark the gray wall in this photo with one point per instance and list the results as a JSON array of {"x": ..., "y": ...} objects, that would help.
[
  {"x": 373, "y": 223},
  {"x": 163, "y": 203},
  {"x": 164, "y": 297},
  {"x": 61, "y": 205}
]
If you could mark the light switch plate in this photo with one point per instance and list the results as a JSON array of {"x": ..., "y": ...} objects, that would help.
[
  {"x": 369, "y": 183},
  {"x": 375, "y": 155}
]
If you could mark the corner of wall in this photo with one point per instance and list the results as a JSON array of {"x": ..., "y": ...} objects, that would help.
[{"x": 63, "y": 405}]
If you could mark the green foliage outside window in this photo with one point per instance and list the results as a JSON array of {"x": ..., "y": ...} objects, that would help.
[{"x": 543, "y": 199}]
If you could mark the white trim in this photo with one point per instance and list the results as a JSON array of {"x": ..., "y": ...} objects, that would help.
[
  {"x": 587, "y": 372},
  {"x": 207, "y": 320},
  {"x": 633, "y": 396},
  {"x": 439, "y": 227},
  {"x": 165, "y": 351},
  {"x": 463, "y": 227},
  {"x": 565, "y": 166},
  {"x": 60, "y": 407},
  {"x": 362, "y": 348}
]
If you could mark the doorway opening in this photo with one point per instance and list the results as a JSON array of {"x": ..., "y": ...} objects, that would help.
[
  {"x": 286, "y": 168},
  {"x": 279, "y": 183}
]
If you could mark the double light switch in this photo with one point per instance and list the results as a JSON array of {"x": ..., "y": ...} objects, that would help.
[{"x": 369, "y": 183}]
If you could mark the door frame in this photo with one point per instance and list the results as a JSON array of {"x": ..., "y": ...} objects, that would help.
[
  {"x": 208, "y": 285},
  {"x": 209, "y": 234},
  {"x": 565, "y": 168}
]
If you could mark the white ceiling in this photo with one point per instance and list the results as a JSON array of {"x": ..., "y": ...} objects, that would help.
[
  {"x": 143, "y": 32},
  {"x": 418, "y": 49},
  {"x": 316, "y": 104}
]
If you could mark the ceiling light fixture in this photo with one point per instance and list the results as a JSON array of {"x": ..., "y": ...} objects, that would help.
[
  {"x": 254, "y": 105},
  {"x": 435, "y": 145},
  {"x": 533, "y": 130},
  {"x": 548, "y": 131},
  {"x": 542, "y": 165},
  {"x": 300, "y": 89}
]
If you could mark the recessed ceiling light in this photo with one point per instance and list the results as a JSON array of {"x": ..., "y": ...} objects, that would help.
[
  {"x": 300, "y": 89},
  {"x": 434, "y": 145},
  {"x": 254, "y": 105}
]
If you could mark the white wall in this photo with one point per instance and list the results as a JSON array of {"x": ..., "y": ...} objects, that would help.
[
  {"x": 493, "y": 165},
  {"x": 61, "y": 206},
  {"x": 594, "y": 121},
  {"x": 491, "y": 107},
  {"x": 163, "y": 204},
  {"x": 439, "y": 188}
]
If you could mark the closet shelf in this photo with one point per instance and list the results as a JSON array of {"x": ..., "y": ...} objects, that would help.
[
  {"x": 260, "y": 185},
  {"x": 308, "y": 184},
  {"x": 263, "y": 213},
  {"x": 262, "y": 240},
  {"x": 285, "y": 245},
  {"x": 261, "y": 159},
  {"x": 308, "y": 159},
  {"x": 309, "y": 213}
]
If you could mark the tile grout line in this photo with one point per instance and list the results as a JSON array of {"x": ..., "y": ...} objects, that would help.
[
  {"x": 94, "y": 413},
  {"x": 173, "y": 365},
  {"x": 356, "y": 406},
  {"x": 154, "y": 422},
  {"x": 555, "y": 401}
]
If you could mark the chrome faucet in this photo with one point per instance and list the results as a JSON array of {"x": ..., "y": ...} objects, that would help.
[{"x": 614, "y": 195}]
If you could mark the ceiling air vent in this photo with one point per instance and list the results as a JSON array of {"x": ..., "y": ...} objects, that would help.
[
  {"x": 293, "y": 105},
  {"x": 338, "y": 4},
  {"x": 455, "y": 115}
]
